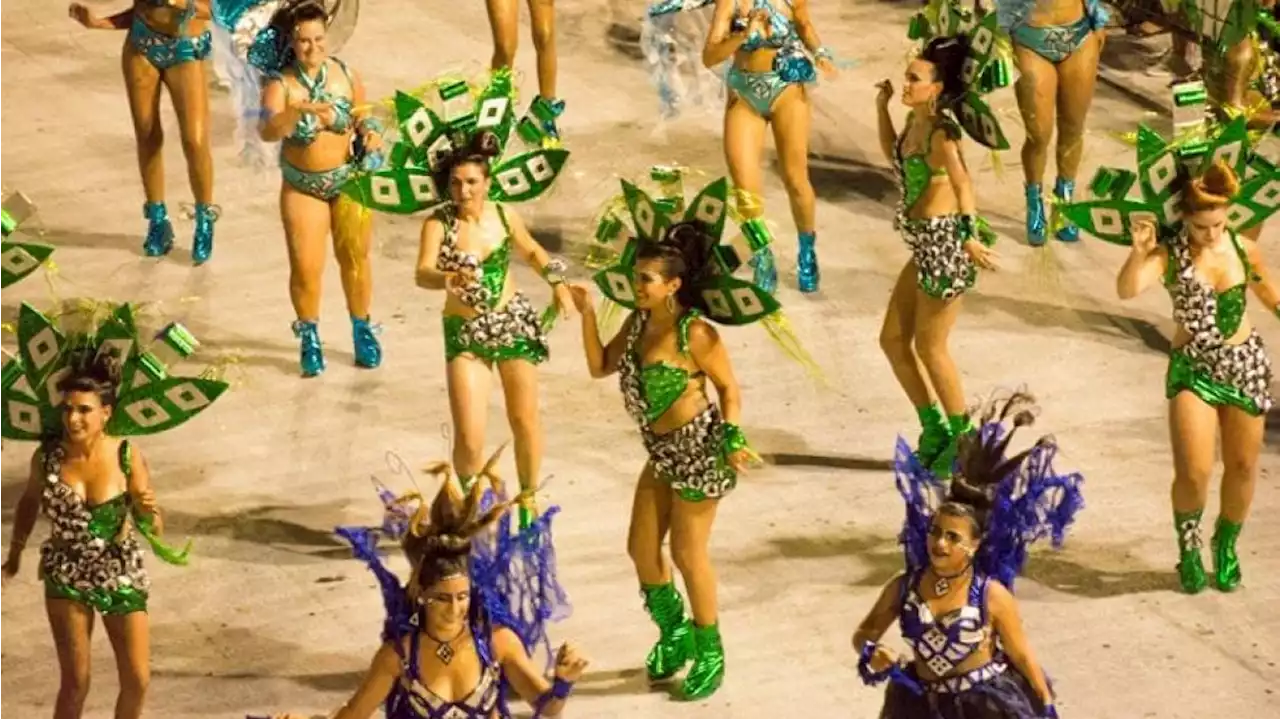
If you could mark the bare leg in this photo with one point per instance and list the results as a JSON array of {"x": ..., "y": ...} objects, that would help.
[
  {"x": 1036, "y": 89},
  {"x": 934, "y": 321},
  {"x": 791, "y": 119},
  {"x": 1192, "y": 429},
  {"x": 72, "y": 625},
  {"x": 354, "y": 262},
  {"x": 469, "y": 380},
  {"x": 1241, "y": 444},
  {"x": 142, "y": 81},
  {"x": 504, "y": 23},
  {"x": 306, "y": 227},
  {"x": 520, "y": 389},
  {"x": 650, "y": 522},
  {"x": 1076, "y": 78},
  {"x": 130, "y": 639},
  {"x": 898, "y": 336},
  {"x": 190, "y": 95},
  {"x": 690, "y": 536},
  {"x": 743, "y": 149},
  {"x": 542, "y": 15}
]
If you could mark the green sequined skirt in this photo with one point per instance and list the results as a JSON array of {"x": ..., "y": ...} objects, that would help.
[
  {"x": 511, "y": 333},
  {"x": 690, "y": 458},
  {"x": 1232, "y": 375},
  {"x": 107, "y": 576}
]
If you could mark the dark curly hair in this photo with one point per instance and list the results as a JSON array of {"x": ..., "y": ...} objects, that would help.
[
  {"x": 92, "y": 371},
  {"x": 685, "y": 252},
  {"x": 480, "y": 150},
  {"x": 983, "y": 466},
  {"x": 948, "y": 55}
]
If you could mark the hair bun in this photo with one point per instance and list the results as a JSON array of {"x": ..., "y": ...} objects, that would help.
[
  {"x": 1220, "y": 179},
  {"x": 485, "y": 143}
]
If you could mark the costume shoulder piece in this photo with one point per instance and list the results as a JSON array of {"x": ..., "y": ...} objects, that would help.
[
  {"x": 1163, "y": 168},
  {"x": 150, "y": 399},
  {"x": 987, "y": 68},
  {"x": 21, "y": 256},
  {"x": 635, "y": 217},
  {"x": 430, "y": 129}
]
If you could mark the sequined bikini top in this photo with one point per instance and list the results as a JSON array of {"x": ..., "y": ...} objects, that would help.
[
  {"x": 73, "y": 517},
  {"x": 308, "y": 127},
  {"x": 943, "y": 643},
  {"x": 782, "y": 31},
  {"x": 654, "y": 388},
  {"x": 913, "y": 171},
  {"x": 491, "y": 272},
  {"x": 1208, "y": 316},
  {"x": 410, "y": 699}
]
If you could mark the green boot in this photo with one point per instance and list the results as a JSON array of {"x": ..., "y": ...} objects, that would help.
[
  {"x": 957, "y": 426},
  {"x": 1190, "y": 563},
  {"x": 933, "y": 436},
  {"x": 1226, "y": 565},
  {"x": 674, "y": 648},
  {"x": 707, "y": 672}
]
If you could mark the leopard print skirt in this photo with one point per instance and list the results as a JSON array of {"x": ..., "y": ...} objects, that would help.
[
  {"x": 690, "y": 458},
  {"x": 511, "y": 333},
  {"x": 943, "y": 269}
]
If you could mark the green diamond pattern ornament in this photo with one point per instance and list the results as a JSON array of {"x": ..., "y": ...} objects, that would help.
[
  {"x": 1164, "y": 167},
  {"x": 636, "y": 218},
  {"x": 150, "y": 399},
  {"x": 19, "y": 257},
  {"x": 428, "y": 132}
]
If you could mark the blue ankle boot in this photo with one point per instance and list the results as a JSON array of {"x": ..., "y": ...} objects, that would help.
[
  {"x": 1063, "y": 189},
  {"x": 202, "y": 244},
  {"x": 1036, "y": 223},
  {"x": 364, "y": 336},
  {"x": 311, "y": 359},
  {"x": 159, "y": 230},
  {"x": 807, "y": 271},
  {"x": 766, "y": 270}
]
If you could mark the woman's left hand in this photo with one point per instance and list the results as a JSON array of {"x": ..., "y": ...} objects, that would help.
[
  {"x": 565, "y": 303},
  {"x": 569, "y": 663},
  {"x": 827, "y": 68},
  {"x": 982, "y": 256},
  {"x": 742, "y": 460}
]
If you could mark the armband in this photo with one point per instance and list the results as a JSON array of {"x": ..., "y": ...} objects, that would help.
[{"x": 553, "y": 271}]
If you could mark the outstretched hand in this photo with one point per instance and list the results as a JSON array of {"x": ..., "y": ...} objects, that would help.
[{"x": 569, "y": 663}]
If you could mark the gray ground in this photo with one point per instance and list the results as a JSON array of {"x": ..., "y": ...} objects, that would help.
[{"x": 272, "y": 614}]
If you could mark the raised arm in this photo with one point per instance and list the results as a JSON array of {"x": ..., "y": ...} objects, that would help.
[
  {"x": 710, "y": 355},
  {"x": 1261, "y": 281},
  {"x": 884, "y": 121},
  {"x": 120, "y": 21},
  {"x": 602, "y": 360},
  {"x": 427, "y": 276},
  {"x": 1008, "y": 625},
  {"x": 722, "y": 42},
  {"x": 1146, "y": 262},
  {"x": 24, "y": 519}
]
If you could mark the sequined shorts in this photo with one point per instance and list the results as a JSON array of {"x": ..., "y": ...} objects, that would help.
[
  {"x": 166, "y": 51},
  {"x": 511, "y": 333},
  {"x": 109, "y": 578},
  {"x": 1054, "y": 43},
  {"x": 324, "y": 185},
  {"x": 690, "y": 458},
  {"x": 989, "y": 692},
  {"x": 943, "y": 269},
  {"x": 1236, "y": 375}
]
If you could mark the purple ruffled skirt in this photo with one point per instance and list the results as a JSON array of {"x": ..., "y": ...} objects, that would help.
[{"x": 1007, "y": 695}]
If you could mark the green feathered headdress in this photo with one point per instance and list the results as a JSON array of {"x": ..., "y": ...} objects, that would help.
[
  {"x": 429, "y": 132},
  {"x": 987, "y": 68},
  {"x": 1164, "y": 166},
  {"x": 149, "y": 400}
]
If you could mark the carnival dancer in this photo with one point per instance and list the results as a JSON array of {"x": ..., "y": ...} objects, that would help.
[
  {"x": 675, "y": 276},
  {"x": 1056, "y": 44},
  {"x": 964, "y": 544},
  {"x": 167, "y": 44},
  {"x": 539, "y": 124},
  {"x": 1187, "y": 232},
  {"x": 80, "y": 396},
  {"x": 775, "y": 52},
  {"x": 937, "y": 216},
  {"x": 454, "y": 641},
  {"x": 449, "y": 162},
  {"x": 314, "y": 104}
]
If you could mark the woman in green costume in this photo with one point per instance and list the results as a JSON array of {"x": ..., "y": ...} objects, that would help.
[
  {"x": 948, "y": 241},
  {"x": 466, "y": 250},
  {"x": 1219, "y": 373},
  {"x": 94, "y": 488}
]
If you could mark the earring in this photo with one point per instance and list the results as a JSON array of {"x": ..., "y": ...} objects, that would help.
[{"x": 671, "y": 303}]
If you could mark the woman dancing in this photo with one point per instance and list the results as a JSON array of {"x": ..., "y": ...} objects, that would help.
[
  {"x": 452, "y": 645},
  {"x": 767, "y": 43},
  {"x": 313, "y": 103},
  {"x": 964, "y": 545},
  {"x": 167, "y": 44},
  {"x": 673, "y": 274},
  {"x": 94, "y": 488},
  {"x": 1219, "y": 372},
  {"x": 948, "y": 241},
  {"x": 504, "y": 23},
  {"x": 1056, "y": 44},
  {"x": 466, "y": 250}
]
